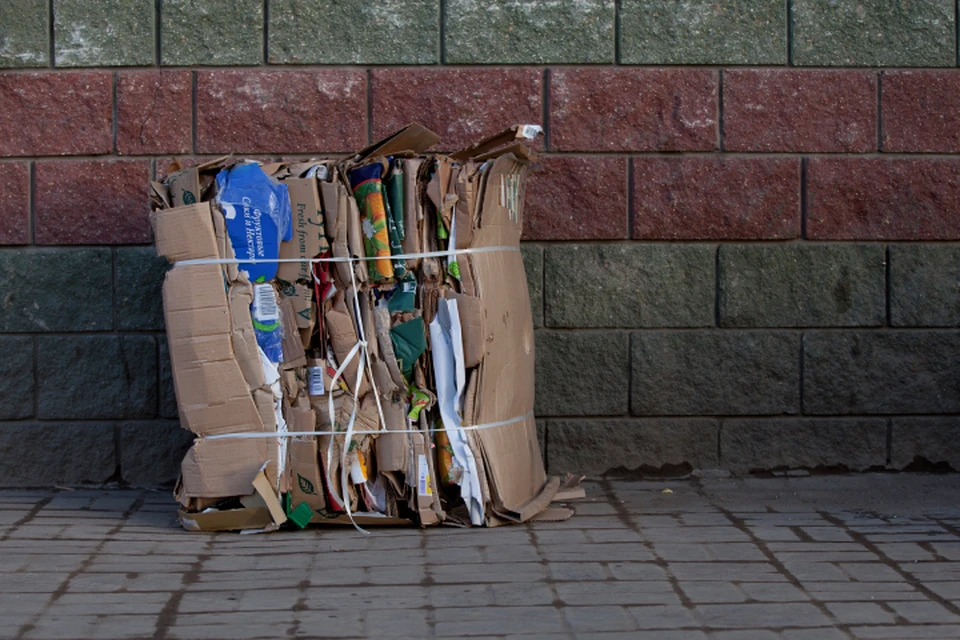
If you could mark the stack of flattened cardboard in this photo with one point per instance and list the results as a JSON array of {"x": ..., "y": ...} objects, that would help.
[{"x": 351, "y": 339}]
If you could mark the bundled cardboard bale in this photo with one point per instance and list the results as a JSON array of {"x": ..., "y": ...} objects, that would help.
[{"x": 351, "y": 339}]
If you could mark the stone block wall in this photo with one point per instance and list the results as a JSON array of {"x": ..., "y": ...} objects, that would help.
[{"x": 741, "y": 238}]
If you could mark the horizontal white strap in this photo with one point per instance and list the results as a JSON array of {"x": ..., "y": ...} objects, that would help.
[
  {"x": 401, "y": 256},
  {"x": 304, "y": 434}
]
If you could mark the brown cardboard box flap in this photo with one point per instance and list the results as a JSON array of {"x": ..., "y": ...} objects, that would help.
[
  {"x": 240, "y": 296},
  {"x": 413, "y": 138},
  {"x": 185, "y": 187},
  {"x": 212, "y": 392},
  {"x": 229, "y": 520},
  {"x": 335, "y": 210},
  {"x": 160, "y": 195},
  {"x": 293, "y": 354},
  {"x": 266, "y": 518},
  {"x": 489, "y": 144},
  {"x": 306, "y": 483},
  {"x": 393, "y": 448},
  {"x": 308, "y": 230},
  {"x": 517, "y": 149},
  {"x": 184, "y": 233},
  {"x": 412, "y": 209},
  {"x": 216, "y": 468},
  {"x": 195, "y": 286},
  {"x": 301, "y": 296},
  {"x": 518, "y": 484},
  {"x": 343, "y": 337}
]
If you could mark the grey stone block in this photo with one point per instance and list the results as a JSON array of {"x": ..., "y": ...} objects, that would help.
[
  {"x": 846, "y": 372},
  {"x": 931, "y": 440},
  {"x": 533, "y": 265},
  {"x": 703, "y": 32},
  {"x": 594, "y": 447},
  {"x": 630, "y": 285},
  {"x": 211, "y": 32},
  {"x": 151, "y": 451},
  {"x": 104, "y": 33},
  {"x": 56, "y": 290},
  {"x": 880, "y": 33},
  {"x": 529, "y": 32},
  {"x": 329, "y": 32},
  {"x": 168, "y": 397},
  {"x": 43, "y": 454},
  {"x": 89, "y": 377},
  {"x": 715, "y": 373},
  {"x": 581, "y": 373},
  {"x": 802, "y": 286},
  {"x": 751, "y": 444},
  {"x": 16, "y": 377},
  {"x": 139, "y": 281},
  {"x": 925, "y": 286},
  {"x": 25, "y": 33}
]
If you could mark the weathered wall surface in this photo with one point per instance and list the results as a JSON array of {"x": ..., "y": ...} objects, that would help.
[{"x": 741, "y": 239}]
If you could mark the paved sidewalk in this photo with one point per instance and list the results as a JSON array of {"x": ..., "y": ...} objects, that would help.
[{"x": 814, "y": 558}]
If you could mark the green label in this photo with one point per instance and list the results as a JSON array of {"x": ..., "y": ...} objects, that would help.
[{"x": 188, "y": 197}]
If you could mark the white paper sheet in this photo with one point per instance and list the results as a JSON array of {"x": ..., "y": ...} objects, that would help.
[{"x": 451, "y": 377}]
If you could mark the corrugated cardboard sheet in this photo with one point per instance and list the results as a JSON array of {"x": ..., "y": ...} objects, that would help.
[{"x": 404, "y": 474}]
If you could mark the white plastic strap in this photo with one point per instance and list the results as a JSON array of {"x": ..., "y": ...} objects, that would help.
[
  {"x": 307, "y": 434},
  {"x": 446, "y": 253},
  {"x": 357, "y": 348}
]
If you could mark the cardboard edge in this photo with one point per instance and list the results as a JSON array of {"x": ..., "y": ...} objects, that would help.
[
  {"x": 414, "y": 138},
  {"x": 515, "y": 132}
]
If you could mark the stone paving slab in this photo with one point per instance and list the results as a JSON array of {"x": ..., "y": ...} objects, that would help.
[{"x": 812, "y": 558}]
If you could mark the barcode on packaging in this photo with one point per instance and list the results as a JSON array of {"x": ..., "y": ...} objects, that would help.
[
  {"x": 530, "y": 131},
  {"x": 265, "y": 303},
  {"x": 423, "y": 477},
  {"x": 315, "y": 381}
]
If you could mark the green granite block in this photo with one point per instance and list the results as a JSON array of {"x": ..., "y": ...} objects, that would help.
[
  {"x": 703, "y": 32},
  {"x": 24, "y": 33},
  {"x": 529, "y": 32},
  {"x": 880, "y": 33},
  {"x": 330, "y": 32},
  {"x": 107, "y": 33},
  {"x": 211, "y": 32}
]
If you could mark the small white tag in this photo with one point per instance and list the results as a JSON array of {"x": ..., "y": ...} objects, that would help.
[
  {"x": 530, "y": 131},
  {"x": 265, "y": 303},
  {"x": 409, "y": 287},
  {"x": 315, "y": 381},
  {"x": 423, "y": 477}
]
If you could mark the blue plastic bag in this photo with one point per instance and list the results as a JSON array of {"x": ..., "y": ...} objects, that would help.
[{"x": 258, "y": 215}]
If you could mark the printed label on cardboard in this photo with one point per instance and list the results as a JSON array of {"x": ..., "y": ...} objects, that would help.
[
  {"x": 424, "y": 487},
  {"x": 265, "y": 304},
  {"x": 315, "y": 386},
  {"x": 300, "y": 295},
  {"x": 308, "y": 230}
]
